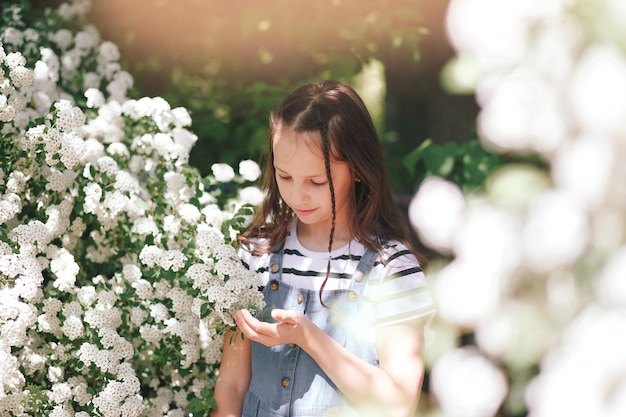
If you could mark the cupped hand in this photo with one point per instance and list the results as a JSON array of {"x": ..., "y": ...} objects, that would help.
[{"x": 290, "y": 327}]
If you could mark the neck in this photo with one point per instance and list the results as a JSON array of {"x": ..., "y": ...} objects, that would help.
[{"x": 316, "y": 238}]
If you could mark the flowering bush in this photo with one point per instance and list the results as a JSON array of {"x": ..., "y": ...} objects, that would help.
[
  {"x": 538, "y": 261},
  {"x": 118, "y": 267}
]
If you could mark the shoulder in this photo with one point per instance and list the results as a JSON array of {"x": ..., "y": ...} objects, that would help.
[
  {"x": 253, "y": 252},
  {"x": 398, "y": 287},
  {"x": 395, "y": 256}
]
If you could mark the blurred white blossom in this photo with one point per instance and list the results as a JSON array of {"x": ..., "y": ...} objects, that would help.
[
  {"x": 468, "y": 385},
  {"x": 536, "y": 261}
]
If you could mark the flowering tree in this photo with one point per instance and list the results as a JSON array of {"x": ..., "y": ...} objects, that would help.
[
  {"x": 118, "y": 273},
  {"x": 539, "y": 260}
]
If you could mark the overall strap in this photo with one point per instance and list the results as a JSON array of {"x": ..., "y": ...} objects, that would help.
[
  {"x": 362, "y": 271},
  {"x": 276, "y": 265}
]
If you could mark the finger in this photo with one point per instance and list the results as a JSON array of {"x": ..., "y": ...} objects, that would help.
[
  {"x": 286, "y": 316},
  {"x": 244, "y": 326},
  {"x": 255, "y": 328}
]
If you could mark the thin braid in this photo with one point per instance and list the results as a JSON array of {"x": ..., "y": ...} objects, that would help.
[{"x": 326, "y": 151}]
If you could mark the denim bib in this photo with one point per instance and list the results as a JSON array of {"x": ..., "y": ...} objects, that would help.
[{"x": 285, "y": 380}]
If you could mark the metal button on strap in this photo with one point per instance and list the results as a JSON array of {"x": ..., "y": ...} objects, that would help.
[
  {"x": 300, "y": 298},
  {"x": 285, "y": 382},
  {"x": 292, "y": 345},
  {"x": 274, "y": 267},
  {"x": 274, "y": 285},
  {"x": 358, "y": 276},
  {"x": 352, "y": 295}
]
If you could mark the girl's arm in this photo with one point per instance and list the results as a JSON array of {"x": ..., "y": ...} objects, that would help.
[
  {"x": 234, "y": 376},
  {"x": 392, "y": 389}
]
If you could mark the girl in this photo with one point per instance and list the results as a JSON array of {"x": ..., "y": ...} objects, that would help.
[{"x": 346, "y": 296}]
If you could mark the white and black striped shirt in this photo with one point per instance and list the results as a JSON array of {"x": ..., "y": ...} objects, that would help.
[{"x": 396, "y": 290}]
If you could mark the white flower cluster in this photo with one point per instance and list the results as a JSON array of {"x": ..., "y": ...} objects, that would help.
[
  {"x": 116, "y": 280},
  {"x": 12, "y": 103},
  {"x": 538, "y": 263}
]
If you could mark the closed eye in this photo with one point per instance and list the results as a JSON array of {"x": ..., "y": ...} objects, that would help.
[{"x": 288, "y": 178}]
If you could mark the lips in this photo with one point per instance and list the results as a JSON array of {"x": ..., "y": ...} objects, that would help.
[{"x": 303, "y": 213}]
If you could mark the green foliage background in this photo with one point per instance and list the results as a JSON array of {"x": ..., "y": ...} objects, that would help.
[{"x": 230, "y": 64}]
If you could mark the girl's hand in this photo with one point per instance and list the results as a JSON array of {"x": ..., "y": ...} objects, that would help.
[{"x": 291, "y": 327}]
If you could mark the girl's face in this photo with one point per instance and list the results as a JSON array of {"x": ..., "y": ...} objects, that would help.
[{"x": 301, "y": 177}]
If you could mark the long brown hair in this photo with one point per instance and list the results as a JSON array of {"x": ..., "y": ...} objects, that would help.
[{"x": 336, "y": 111}]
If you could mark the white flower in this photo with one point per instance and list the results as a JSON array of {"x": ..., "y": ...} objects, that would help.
[
  {"x": 62, "y": 37},
  {"x": 200, "y": 274},
  {"x": 177, "y": 188},
  {"x": 213, "y": 215},
  {"x": 556, "y": 231},
  {"x": 181, "y": 117},
  {"x": 120, "y": 84},
  {"x": 60, "y": 181},
  {"x": 13, "y": 36},
  {"x": 181, "y": 301},
  {"x": 12, "y": 379},
  {"x": 14, "y": 60},
  {"x": 585, "y": 374},
  {"x": 172, "y": 260},
  {"x": 10, "y": 205},
  {"x": 251, "y": 195},
  {"x": 467, "y": 384},
  {"x": 149, "y": 255},
  {"x": 435, "y": 212},
  {"x": 31, "y": 234},
  {"x": 189, "y": 213},
  {"x": 108, "y": 165},
  {"x": 61, "y": 392},
  {"x": 184, "y": 140},
  {"x": 249, "y": 170},
  {"x": 143, "y": 288},
  {"x": 73, "y": 327},
  {"x": 223, "y": 172},
  {"x": 68, "y": 117},
  {"x": 91, "y": 80},
  {"x": 172, "y": 224},
  {"x": 87, "y": 295},
  {"x": 118, "y": 149},
  {"x": 191, "y": 351},
  {"x": 145, "y": 226},
  {"x": 114, "y": 202},
  {"x": 21, "y": 76},
  {"x": 159, "y": 312},
  {"x": 150, "y": 333},
  {"x": 598, "y": 89},
  {"x": 108, "y": 51},
  {"x": 137, "y": 315},
  {"x": 87, "y": 38},
  {"x": 125, "y": 182},
  {"x": 66, "y": 269},
  {"x": 131, "y": 272},
  {"x": 164, "y": 145},
  {"x": 100, "y": 318},
  {"x": 95, "y": 98}
]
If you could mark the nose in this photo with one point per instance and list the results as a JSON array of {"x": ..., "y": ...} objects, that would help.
[{"x": 299, "y": 195}]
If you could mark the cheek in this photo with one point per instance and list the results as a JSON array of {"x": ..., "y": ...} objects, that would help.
[
  {"x": 281, "y": 188},
  {"x": 343, "y": 194}
]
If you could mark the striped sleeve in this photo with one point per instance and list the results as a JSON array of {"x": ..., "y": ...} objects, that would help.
[
  {"x": 257, "y": 264},
  {"x": 399, "y": 290}
]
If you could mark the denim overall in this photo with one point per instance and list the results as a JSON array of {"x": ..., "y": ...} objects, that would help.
[{"x": 286, "y": 381}]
